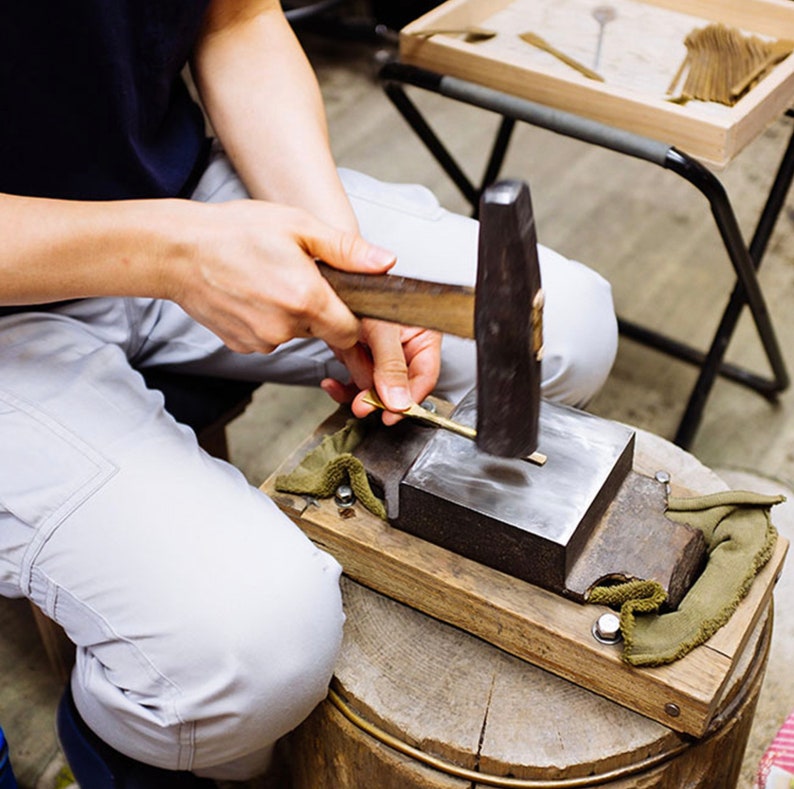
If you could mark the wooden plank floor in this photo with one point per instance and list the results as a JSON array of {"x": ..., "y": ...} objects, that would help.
[{"x": 644, "y": 229}]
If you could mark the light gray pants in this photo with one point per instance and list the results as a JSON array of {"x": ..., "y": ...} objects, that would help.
[{"x": 206, "y": 624}]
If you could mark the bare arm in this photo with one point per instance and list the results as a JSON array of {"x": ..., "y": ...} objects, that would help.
[
  {"x": 61, "y": 249},
  {"x": 244, "y": 269},
  {"x": 265, "y": 106}
]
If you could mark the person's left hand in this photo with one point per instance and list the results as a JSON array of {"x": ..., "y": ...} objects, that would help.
[{"x": 401, "y": 362}]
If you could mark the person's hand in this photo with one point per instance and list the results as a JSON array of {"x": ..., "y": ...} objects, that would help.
[
  {"x": 249, "y": 274},
  {"x": 402, "y": 363}
]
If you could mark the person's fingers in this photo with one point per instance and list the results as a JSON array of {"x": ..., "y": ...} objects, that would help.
[
  {"x": 315, "y": 310},
  {"x": 337, "y": 391},
  {"x": 389, "y": 367},
  {"x": 358, "y": 362},
  {"x": 346, "y": 251},
  {"x": 422, "y": 348}
]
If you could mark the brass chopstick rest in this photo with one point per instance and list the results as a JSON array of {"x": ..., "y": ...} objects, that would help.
[{"x": 536, "y": 41}]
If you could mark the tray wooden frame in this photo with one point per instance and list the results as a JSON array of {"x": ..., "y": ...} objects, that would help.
[
  {"x": 524, "y": 620},
  {"x": 712, "y": 139}
]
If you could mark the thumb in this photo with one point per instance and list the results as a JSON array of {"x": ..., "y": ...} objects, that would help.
[
  {"x": 350, "y": 252},
  {"x": 390, "y": 371}
]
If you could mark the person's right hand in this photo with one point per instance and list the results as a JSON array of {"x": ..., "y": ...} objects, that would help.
[{"x": 249, "y": 274}]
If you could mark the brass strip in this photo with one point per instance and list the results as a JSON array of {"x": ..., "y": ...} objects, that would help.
[
  {"x": 416, "y": 411},
  {"x": 536, "y": 41}
]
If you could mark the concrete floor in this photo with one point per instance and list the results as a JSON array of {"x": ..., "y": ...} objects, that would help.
[{"x": 649, "y": 233}]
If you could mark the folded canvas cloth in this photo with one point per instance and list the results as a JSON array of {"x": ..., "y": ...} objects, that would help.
[
  {"x": 740, "y": 539},
  {"x": 330, "y": 465}
]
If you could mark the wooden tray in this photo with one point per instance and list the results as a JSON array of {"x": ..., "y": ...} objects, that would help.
[
  {"x": 641, "y": 52},
  {"x": 531, "y": 623}
]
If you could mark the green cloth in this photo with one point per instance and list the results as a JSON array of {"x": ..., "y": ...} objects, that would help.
[
  {"x": 330, "y": 465},
  {"x": 740, "y": 539},
  {"x": 739, "y": 536}
]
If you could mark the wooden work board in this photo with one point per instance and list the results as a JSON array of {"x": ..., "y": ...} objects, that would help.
[
  {"x": 642, "y": 49},
  {"x": 531, "y": 623}
]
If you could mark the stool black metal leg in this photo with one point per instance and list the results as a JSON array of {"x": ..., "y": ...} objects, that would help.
[
  {"x": 766, "y": 223},
  {"x": 774, "y": 202},
  {"x": 431, "y": 140},
  {"x": 747, "y": 290},
  {"x": 433, "y": 143},
  {"x": 745, "y": 260}
]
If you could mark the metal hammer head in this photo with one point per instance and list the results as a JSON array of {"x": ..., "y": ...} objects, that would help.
[
  {"x": 507, "y": 320},
  {"x": 503, "y": 315}
]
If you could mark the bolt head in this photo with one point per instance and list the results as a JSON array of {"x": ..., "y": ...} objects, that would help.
[
  {"x": 606, "y": 629},
  {"x": 344, "y": 496}
]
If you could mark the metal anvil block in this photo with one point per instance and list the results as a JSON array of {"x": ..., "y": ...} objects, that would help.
[{"x": 529, "y": 521}]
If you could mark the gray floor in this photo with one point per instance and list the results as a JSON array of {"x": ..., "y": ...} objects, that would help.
[{"x": 649, "y": 233}]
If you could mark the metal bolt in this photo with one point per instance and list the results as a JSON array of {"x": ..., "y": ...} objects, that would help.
[
  {"x": 344, "y": 496},
  {"x": 673, "y": 710},
  {"x": 663, "y": 477},
  {"x": 606, "y": 629}
]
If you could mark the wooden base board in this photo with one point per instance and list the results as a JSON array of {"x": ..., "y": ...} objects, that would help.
[{"x": 531, "y": 623}]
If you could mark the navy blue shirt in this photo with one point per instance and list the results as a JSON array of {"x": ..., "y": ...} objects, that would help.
[{"x": 92, "y": 105}]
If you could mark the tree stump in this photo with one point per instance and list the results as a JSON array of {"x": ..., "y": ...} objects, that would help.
[{"x": 419, "y": 704}]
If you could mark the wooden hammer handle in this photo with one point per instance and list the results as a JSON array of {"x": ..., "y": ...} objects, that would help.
[{"x": 411, "y": 302}]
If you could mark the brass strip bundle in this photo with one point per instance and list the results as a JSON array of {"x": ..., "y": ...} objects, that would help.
[{"x": 722, "y": 63}]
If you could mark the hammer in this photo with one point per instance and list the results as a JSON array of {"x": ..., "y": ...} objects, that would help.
[{"x": 502, "y": 314}]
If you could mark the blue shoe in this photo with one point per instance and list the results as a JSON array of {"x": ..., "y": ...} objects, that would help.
[{"x": 95, "y": 765}]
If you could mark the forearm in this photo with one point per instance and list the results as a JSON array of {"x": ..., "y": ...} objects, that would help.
[
  {"x": 265, "y": 106},
  {"x": 60, "y": 249}
]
